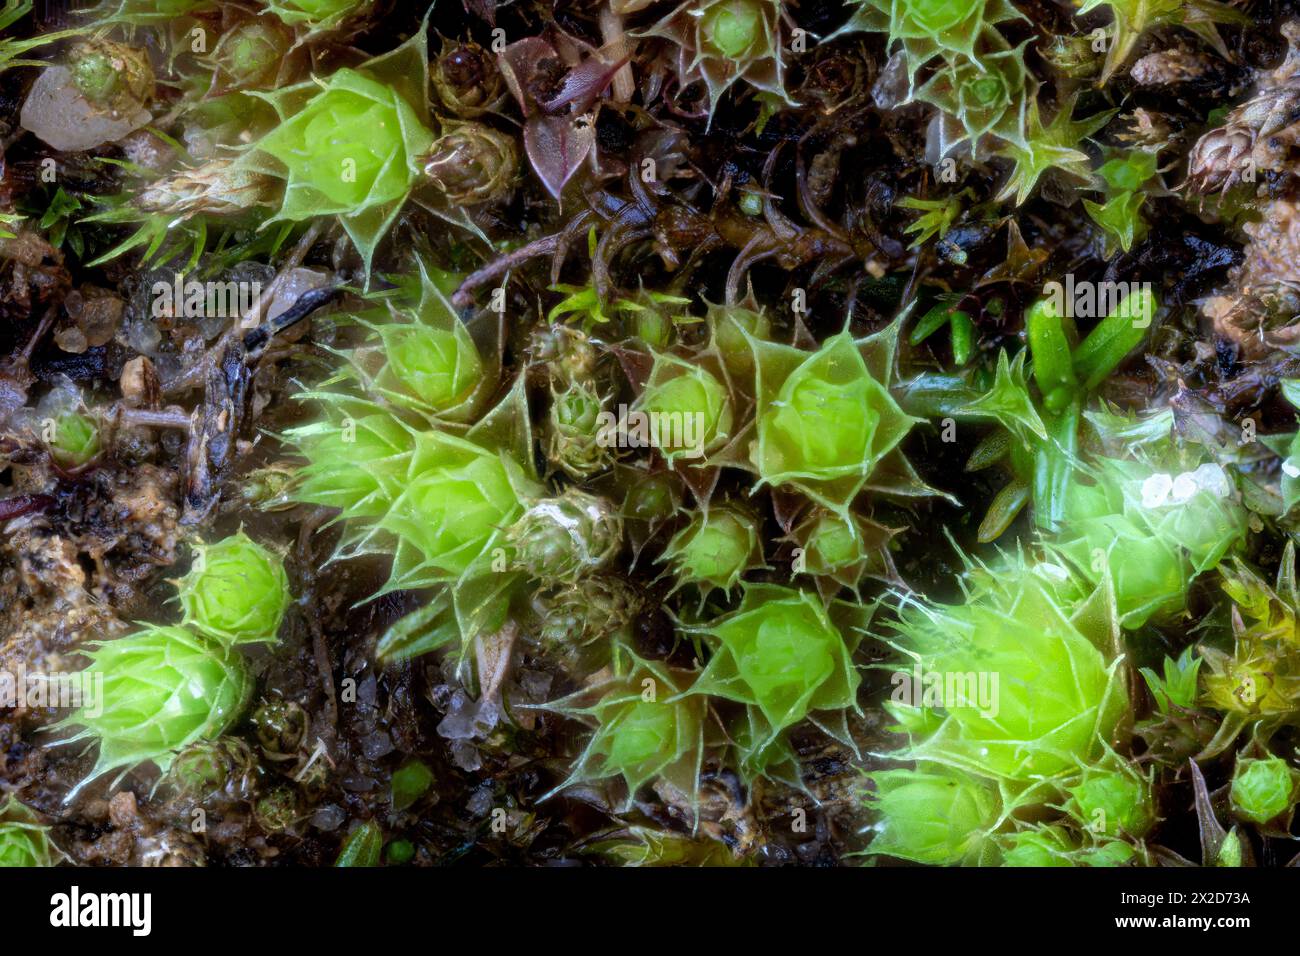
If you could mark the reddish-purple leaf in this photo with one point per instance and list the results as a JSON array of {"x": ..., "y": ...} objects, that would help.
[
  {"x": 572, "y": 50},
  {"x": 486, "y": 9},
  {"x": 518, "y": 63},
  {"x": 582, "y": 85},
  {"x": 1212, "y": 832},
  {"x": 556, "y": 146}
]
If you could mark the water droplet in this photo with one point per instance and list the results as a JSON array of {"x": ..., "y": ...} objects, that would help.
[
  {"x": 1214, "y": 479},
  {"x": 1155, "y": 490}
]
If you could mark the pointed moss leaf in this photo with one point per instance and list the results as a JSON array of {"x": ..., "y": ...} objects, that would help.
[
  {"x": 1055, "y": 146},
  {"x": 357, "y": 465},
  {"x": 508, "y": 429},
  {"x": 422, "y": 356},
  {"x": 423, "y": 631},
  {"x": 1009, "y": 403}
]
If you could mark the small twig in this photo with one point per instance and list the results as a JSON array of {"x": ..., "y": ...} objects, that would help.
[
  {"x": 20, "y": 505},
  {"x": 320, "y": 649},
  {"x": 611, "y": 31},
  {"x": 539, "y": 247},
  {"x": 256, "y": 340},
  {"x": 29, "y": 349},
  {"x": 196, "y": 374},
  {"x": 163, "y": 418}
]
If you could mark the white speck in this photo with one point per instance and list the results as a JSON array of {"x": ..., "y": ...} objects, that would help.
[
  {"x": 1214, "y": 479},
  {"x": 1289, "y": 469},
  {"x": 1155, "y": 490},
  {"x": 1185, "y": 486}
]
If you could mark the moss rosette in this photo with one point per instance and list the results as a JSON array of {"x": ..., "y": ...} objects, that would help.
[
  {"x": 1263, "y": 791},
  {"x": 24, "y": 840},
  {"x": 458, "y": 500},
  {"x": 422, "y": 357},
  {"x": 236, "y": 593},
  {"x": 350, "y": 145},
  {"x": 718, "y": 546},
  {"x": 647, "y": 727},
  {"x": 1150, "y": 549},
  {"x": 163, "y": 689},
  {"x": 1113, "y": 802},
  {"x": 983, "y": 95},
  {"x": 722, "y": 41},
  {"x": 686, "y": 400},
  {"x": 930, "y": 28},
  {"x": 350, "y": 148},
  {"x": 1058, "y": 698},
  {"x": 76, "y": 440},
  {"x": 934, "y": 816},
  {"x": 824, "y": 422},
  {"x": 438, "y": 367},
  {"x": 788, "y": 656}
]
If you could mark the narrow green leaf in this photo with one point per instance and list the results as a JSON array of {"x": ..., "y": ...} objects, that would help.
[
  {"x": 420, "y": 632},
  {"x": 929, "y": 323},
  {"x": 1049, "y": 346},
  {"x": 1006, "y": 504},
  {"x": 362, "y": 847},
  {"x": 963, "y": 338},
  {"x": 1054, "y": 467},
  {"x": 1115, "y": 337}
]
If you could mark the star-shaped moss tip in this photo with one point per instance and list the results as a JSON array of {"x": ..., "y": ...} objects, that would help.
[{"x": 1054, "y": 146}]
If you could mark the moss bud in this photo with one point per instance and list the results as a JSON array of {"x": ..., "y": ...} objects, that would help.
[
  {"x": 1264, "y": 791},
  {"x": 164, "y": 688},
  {"x": 937, "y": 817},
  {"x": 236, "y": 592}
]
